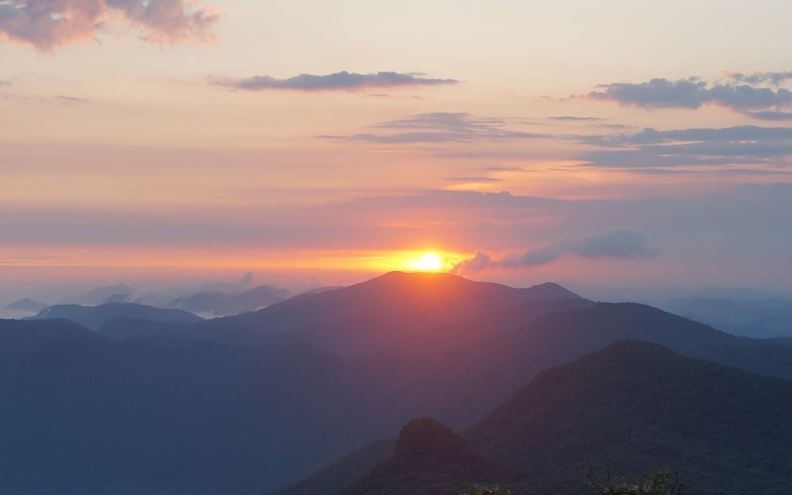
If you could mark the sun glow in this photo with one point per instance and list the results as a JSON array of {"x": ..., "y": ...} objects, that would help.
[{"x": 429, "y": 262}]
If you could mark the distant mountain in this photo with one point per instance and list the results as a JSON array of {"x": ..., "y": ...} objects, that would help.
[
  {"x": 103, "y": 295},
  {"x": 224, "y": 304},
  {"x": 393, "y": 312},
  {"x": 760, "y": 318},
  {"x": 319, "y": 290},
  {"x": 25, "y": 306},
  {"x": 94, "y": 317},
  {"x": 637, "y": 407}
]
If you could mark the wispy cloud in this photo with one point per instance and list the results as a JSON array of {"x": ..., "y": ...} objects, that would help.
[
  {"x": 753, "y": 95},
  {"x": 573, "y": 118},
  {"x": 338, "y": 81},
  {"x": 441, "y": 127},
  {"x": 472, "y": 179},
  {"x": 704, "y": 146},
  {"x": 68, "y": 100},
  {"x": 48, "y": 24},
  {"x": 618, "y": 244},
  {"x": 771, "y": 115}
]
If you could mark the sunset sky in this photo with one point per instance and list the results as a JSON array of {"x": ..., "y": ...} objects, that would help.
[{"x": 623, "y": 142}]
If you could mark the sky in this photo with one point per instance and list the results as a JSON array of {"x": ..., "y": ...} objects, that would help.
[{"x": 620, "y": 143}]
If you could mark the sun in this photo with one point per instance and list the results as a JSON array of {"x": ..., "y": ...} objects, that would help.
[{"x": 429, "y": 262}]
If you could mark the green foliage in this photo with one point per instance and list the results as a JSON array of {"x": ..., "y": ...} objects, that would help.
[
  {"x": 487, "y": 490},
  {"x": 659, "y": 483}
]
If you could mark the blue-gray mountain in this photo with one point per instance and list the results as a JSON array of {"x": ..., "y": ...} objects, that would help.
[
  {"x": 96, "y": 317},
  {"x": 761, "y": 318}
]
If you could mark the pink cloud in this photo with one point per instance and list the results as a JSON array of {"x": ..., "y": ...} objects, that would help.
[{"x": 47, "y": 24}]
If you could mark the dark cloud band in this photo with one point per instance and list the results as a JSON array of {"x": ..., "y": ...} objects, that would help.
[
  {"x": 619, "y": 244},
  {"x": 750, "y": 95},
  {"x": 343, "y": 81}
]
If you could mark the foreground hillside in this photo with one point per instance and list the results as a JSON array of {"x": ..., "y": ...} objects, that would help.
[{"x": 633, "y": 406}]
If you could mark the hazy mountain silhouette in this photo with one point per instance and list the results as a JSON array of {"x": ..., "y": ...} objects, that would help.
[
  {"x": 636, "y": 406},
  {"x": 94, "y": 317},
  {"x": 102, "y": 295},
  {"x": 25, "y": 306},
  {"x": 390, "y": 312},
  {"x": 747, "y": 317},
  {"x": 220, "y": 303}
]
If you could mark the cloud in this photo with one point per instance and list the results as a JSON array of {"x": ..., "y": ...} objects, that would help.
[
  {"x": 338, "y": 81},
  {"x": 68, "y": 100},
  {"x": 573, "y": 118},
  {"x": 614, "y": 126},
  {"x": 774, "y": 115},
  {"x": 62, "y": 100},
  {"x": 441, "y": 127},
  {"x": 472, "y": 179},
  {"x": 618, "y": 244},
  {"x": 51, "y": 23},
  {"x": 697, "y": 146},
  {"x": 774, "y": 78},
  {"x": 744, "y": 94},
  {"x": 498, "y": 168}
]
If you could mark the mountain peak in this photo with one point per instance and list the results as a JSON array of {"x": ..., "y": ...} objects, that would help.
[
  {"x": 426, "y": 437},
  {"x": 26, "y": 305},
  {"x": 429, "y": 458}
]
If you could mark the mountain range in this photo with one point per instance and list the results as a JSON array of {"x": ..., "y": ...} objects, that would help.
[
  {"x": 251, "y": 403},
  {"x": 219, "y": 303},
  {"x": 760, "y": 318},
  {"x": 96, "y": 317}
]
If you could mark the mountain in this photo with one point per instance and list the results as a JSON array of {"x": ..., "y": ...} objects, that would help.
[
  {"x": 155, "y": 408},
  {"x": 562, "y": 336},
  {"x": 339, "y": 474},
  {"x": 83, "y": 414},
  {"x": 94, "y": 317},
  {"x": 428, "y": 459},
  {"x": 102, "y": 295},
  {"x": 496, "y": 359},
  {"x": 258, "y": 401},
  {"x": 639, "y": 407},
  {"x": 219, "y": 303},
  {"x": 393, "y": 312},
  {"x": 24, "y": 307},
  {"x": 20, "y": 339},
  {"x": 635, "y": 406},
  {"x": 759, "y": 318}
]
